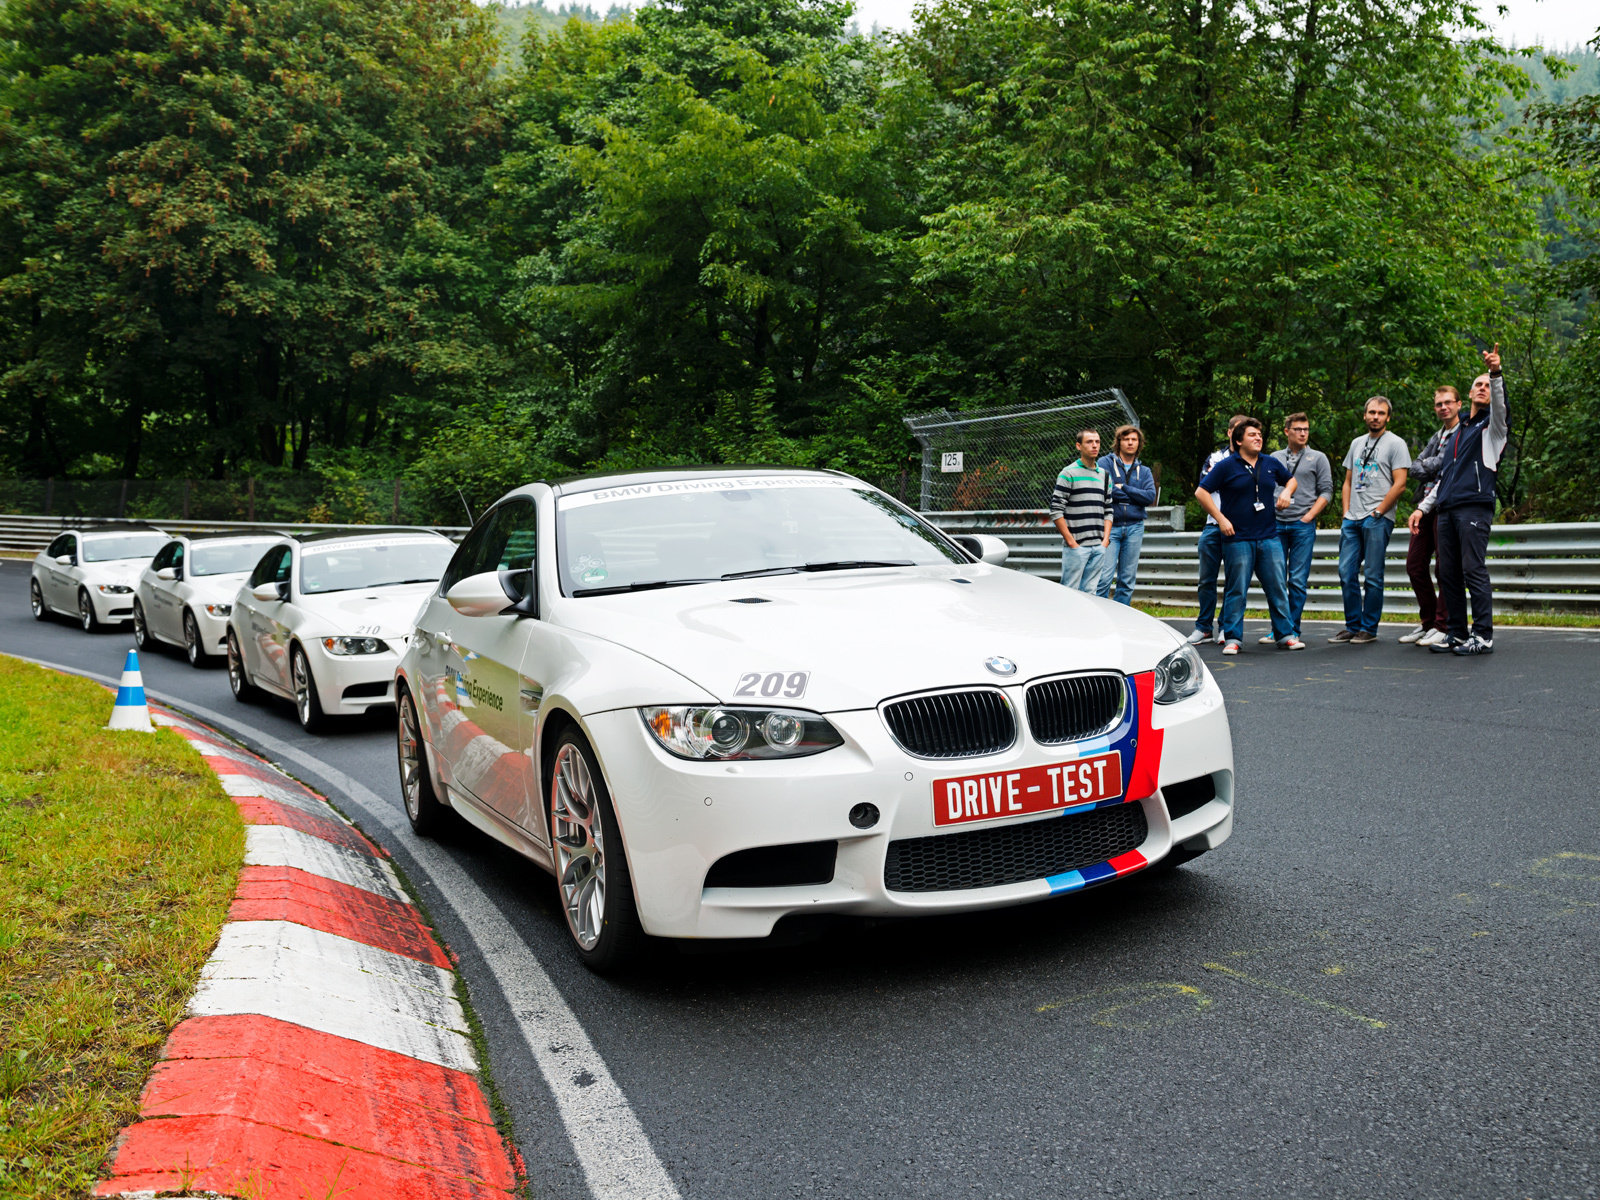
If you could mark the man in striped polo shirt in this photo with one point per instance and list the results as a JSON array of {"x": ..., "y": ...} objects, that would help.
[{"x": 1081, "y": 508}]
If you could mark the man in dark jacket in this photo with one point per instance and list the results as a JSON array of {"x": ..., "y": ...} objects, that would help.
[
  {"x": 1464, "y": 500},
  {"x": 1425, "y": 469},
  {"x": 1133, "y": 488}
]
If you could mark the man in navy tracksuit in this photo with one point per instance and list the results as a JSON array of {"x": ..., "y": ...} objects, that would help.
[{"x": 1464, "y": 501}]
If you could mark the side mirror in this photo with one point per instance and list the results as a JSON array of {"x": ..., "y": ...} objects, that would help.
[
  {"x": 479, "y": 595},
  {"x": 984, "y": 547},
  {"x": 167, "y": 573},
  {"x": 270, "y": 591},
  {"x": 64, "y": 559}
]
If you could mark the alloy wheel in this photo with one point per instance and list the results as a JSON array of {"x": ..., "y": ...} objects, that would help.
[
  {"x": 579, "y": 846},
  {"x": 141, "y": 631},
  {"x": 191, "y": 640},
  {"x": 410, "y": 759},
  {"x": 36, "y": 599},
  {"x": 85, "y": 612},
  {"x": 302, "y": 688},
  {"x": 236, "y": 676}
]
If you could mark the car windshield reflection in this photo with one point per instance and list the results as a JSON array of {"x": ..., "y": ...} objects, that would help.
[{"x": 388, "y": 563}]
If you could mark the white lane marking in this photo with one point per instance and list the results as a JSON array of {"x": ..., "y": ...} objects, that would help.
[
  {"x": 280, "y": 846},
  {"x": 615, "y": 1152}
]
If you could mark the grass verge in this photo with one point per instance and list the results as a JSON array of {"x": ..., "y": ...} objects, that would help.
[
  {"x": 1408, "y": 618},
  {"x": 119, "y": 853}
]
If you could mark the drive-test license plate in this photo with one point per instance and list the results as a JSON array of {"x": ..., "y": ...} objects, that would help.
[{"x": 1029, "y": 790}]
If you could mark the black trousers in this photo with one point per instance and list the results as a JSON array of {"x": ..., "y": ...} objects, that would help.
[{"x": 1463, "y": 537}]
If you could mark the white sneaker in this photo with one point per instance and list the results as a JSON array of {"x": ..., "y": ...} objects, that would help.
[
  {"x": 1231, "y": 648},
  {"x": 1293, "y": 643},
  {"x": 1197, "y": 636},
  {"x": 1267, "y": 640},
  {"x": 1432, "y": 638},
  {"x": 1416, "y": 635}
]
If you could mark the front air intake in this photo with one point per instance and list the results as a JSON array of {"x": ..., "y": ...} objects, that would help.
[
  {"x": 1075, "y": 707},
  {"x": 952, "y": 724}
]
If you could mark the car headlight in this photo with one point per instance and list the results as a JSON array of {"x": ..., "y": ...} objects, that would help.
[
  {"x": 722, "y": 733},
  {"x": 354, "y": 645},
  {"x": 220, "y": 610},
  {"x": 113, "y": 589},
  {"x": 1179, "y": 675}
]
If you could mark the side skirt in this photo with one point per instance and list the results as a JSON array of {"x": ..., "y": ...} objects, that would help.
[{"x": 500, "y": 829}]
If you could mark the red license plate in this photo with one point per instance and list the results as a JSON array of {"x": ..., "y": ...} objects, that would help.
[{"x": 1027, "y": 790}]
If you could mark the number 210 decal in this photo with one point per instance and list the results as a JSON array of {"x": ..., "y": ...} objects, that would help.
[{"x": 790, "y": 685}]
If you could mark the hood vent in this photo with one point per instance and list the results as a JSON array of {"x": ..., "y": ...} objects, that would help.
[
  {"x": 960, "y": 724},
  {"x": 1075, "y": 707}
]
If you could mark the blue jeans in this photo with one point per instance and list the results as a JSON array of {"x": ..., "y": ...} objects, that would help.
[
  {"x": 1264, "y": 560},
  {"x": 1080, "y": 567},
  {"x": 1298, "y": 539},
  {"x": 1361, "y": 550},
  {"x": 1210, "y": 549},
  {"x": 1121, "y": 565}
]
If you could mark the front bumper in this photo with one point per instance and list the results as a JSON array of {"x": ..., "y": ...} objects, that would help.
[
  {"x": 110, "y": 608},
  {"x": 349, "y": 684},
  {"x": 680, "y": 817}
]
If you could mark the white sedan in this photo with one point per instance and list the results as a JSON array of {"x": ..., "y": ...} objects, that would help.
[
  {"x": 89, "y": 574},
  {"x": 324, "y": 618},
  {"x": 185, "y": 593},
  {"x": 706, "y": 701}
]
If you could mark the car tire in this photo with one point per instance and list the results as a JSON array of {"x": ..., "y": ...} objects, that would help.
[
  {"x": 87, "y": 620},
  {"x": 36, "y": 600},
  {"x": 193, "y": 646},
  {"x": 423, "y": 808},
  {"x": 307, "y": 704},
  {"x": 141, "y": 628},
  {"x": 239, "y": 683},
  {"x": 593, "y": 884}
]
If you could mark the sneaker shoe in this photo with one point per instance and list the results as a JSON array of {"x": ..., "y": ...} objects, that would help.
[
  {"x": 1445, "y": 645},
  {"x": 1432, "y": 638},
  {"x": 1220, "y": 637},
  {"x": 1362, "y": 638},
  {"x": 1415, "y": 636},
  {"x": 1292, "y": 642},
  {"x": 1198, "y": 636},
  {"x": 1267, "y": 639},
  {"x": 1473, "y": 645},
  {"x": 1231, "y": 648},
  {"x": 1344, "y": 635}
]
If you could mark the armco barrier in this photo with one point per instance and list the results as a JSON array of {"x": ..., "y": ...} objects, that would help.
[
  {"x": 29, "y": 535},
  {"x": 1551, "y": 568}
]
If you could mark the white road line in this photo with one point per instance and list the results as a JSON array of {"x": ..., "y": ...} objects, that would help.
[{"x": 615, "y": 1152}]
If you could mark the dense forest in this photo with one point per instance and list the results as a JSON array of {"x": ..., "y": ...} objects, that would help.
[{"x": 465, "y": 247}]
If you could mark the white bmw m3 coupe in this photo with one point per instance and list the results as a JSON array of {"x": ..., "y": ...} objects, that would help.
[
  {"x": 707, "y": 699},
  {"x": 185, "y": 593},
  {"x": 324, "y": 618},
  {"x": 90, "y": 574}
]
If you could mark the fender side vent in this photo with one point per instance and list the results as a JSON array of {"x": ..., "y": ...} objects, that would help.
[{"x": 1190, "y": 795}]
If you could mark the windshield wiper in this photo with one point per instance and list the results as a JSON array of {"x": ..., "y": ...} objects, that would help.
[
  {"x": 645, "y": 586},
  {"x": 846, "y": 564},
  {"x": 763, "y": 571}
]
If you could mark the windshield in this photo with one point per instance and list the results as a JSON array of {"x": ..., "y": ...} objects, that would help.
[
  {"x": 226, "y": 558},
  {"x": 122, "y": 545},
  {"x": 376, "y": 562},
  {"x": 708, "y": 529}
]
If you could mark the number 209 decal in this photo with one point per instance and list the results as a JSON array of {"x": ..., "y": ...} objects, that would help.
[{"x": 771, "y": 685}]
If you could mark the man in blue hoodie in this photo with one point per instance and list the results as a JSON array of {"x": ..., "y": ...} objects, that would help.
[
  {"x": 1464, "y": 500},
  {"x": 1133, "y": 487}
]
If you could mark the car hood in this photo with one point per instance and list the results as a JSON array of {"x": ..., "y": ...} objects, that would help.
[
  {"x": 389, "y": 612},
  {"x": 117, "y": 570},
  {"x": 864, "y": 636},
  {"x": 217, "y": 589}
]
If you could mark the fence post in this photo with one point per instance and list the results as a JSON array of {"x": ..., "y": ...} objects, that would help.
[
  {"x": 187, "y": 484},
  {"x": 394, "y": 515},
  {"x": 49, "y": 493},
  {"x": 251, "y": 492},
  {"x": 122, "y": 501}
]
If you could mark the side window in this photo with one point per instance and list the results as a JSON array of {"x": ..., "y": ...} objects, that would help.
[
  {"x": 503, "y": 540},
  {"x": 273, "y": 567},
  {"x": 62, "y": 545},
  {"x": 71, "y": 546},
  {"x": 177, "y": 555},
  {"x": 166, "y": 556}
]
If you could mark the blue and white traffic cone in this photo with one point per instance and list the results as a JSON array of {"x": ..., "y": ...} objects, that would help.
[{"x": 131, "y": 712}]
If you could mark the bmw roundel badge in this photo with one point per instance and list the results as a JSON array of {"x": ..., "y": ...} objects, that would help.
[{"x": 1000, "y": 666}]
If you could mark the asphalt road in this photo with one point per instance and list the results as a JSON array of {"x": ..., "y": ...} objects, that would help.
[{"x": 1387, "y": 981}]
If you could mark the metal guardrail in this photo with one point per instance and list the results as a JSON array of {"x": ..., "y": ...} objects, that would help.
[
  {"x": 29, "y": 535},
  {"x": 1551, "y": 568}
]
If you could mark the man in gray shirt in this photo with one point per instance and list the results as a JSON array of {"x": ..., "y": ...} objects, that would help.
[
  {"x": 1297, "y": 514},
  {"x": 1375, "y": 473}
]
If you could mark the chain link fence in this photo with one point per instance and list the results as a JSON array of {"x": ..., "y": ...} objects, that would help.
[{"x": 1008, "y": 457}]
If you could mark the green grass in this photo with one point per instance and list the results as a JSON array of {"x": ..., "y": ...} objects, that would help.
[
  {"x": 119, "y": 853},
  {"x": 1407, "y": 618}
]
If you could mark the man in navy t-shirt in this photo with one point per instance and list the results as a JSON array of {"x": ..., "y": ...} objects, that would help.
[{"x": 1247, "y": 481}]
